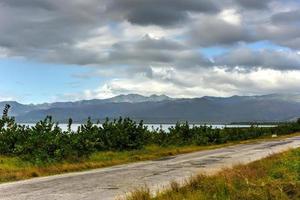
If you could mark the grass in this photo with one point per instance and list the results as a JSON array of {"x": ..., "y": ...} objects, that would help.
[
  {"x": 276, "y": 177},
  {"x": 14, "y": 168}
]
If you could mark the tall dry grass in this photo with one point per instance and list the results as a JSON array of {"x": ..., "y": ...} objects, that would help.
[{"x": 276, "y": 177}]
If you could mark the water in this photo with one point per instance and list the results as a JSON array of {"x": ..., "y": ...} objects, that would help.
[{"x": 166, "y": 127}]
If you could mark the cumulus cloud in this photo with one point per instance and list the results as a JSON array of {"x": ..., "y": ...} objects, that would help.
[
  {"x": 283, "y": 28},
  {"x": 148, "y": 51},
  {"x": 30, "y": 28},
  {"x": 213, "y": 82},
  {"x": 214, "y": 31},
  {"x": 156, "y": 12},
  {"x": 7, "y": 98},
  {"x": 4, "y": 52},
  {"x": 273, "y": 59},
  {"x": 155, "y": 46},
  {"x": 141, "y": 53},
  {"x": 253, "y": 4},
  {"x": 34, "y": 28},
  {"x": 287, "y": 17}
]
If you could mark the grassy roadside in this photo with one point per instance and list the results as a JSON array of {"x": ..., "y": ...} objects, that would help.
[
  {"x": 275, "y": 177},
  {"x": 13, "y": 168}
]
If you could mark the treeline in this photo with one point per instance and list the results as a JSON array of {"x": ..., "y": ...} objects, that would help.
[{"x": 47, "y": 142}]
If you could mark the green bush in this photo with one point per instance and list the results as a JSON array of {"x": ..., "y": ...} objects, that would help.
[{"x": 46, "y": 142}]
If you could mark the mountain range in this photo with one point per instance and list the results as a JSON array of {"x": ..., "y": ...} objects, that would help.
[{"x": 164, "y": 109}]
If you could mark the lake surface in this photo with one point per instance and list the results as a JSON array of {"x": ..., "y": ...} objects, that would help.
[{"x": 165, "y": 127}]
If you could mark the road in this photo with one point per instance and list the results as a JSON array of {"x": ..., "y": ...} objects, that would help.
[{"x": 107, "y": 183}]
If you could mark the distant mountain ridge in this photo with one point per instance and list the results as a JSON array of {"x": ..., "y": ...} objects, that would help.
[
  {"x": 136, "y": 98},
  {"x": 163, "y": 109}
]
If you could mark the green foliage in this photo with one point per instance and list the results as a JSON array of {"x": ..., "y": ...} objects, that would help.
[
  {"x": 46, "y": 142},
  {"x": 123, "y": 134}
]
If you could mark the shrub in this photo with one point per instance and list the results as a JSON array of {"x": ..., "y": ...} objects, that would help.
[{"x": 46, "y": 142}]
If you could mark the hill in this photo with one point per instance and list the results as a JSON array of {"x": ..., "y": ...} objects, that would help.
[{"x": 163, "y": 109}]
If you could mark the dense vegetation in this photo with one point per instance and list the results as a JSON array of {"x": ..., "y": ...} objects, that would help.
[
  {"x": 47, "y": 142},
  {"x": 276, "y": 177}
]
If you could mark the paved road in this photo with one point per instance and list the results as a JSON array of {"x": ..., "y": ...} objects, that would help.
[{"x": 107, "y": 183}]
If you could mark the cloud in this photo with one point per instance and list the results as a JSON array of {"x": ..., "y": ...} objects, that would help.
[
  {"x": 88, "y": 30},
  {"x": 212, "y": 82},
  {"x": 214, "y": 31},
  {"x": 150, "y": 51},
  {"x": 286, "y": 17},
  {"x": 282, "y": 29},
  {"x": 36, "y": 27},
  {"x": 272, "y": 59},
  {"x": 253, "y": 4},
  {"x": 154, "y": 46},
  {"x": 4, "y": 52},
  {"x": 6, "y": 98},
  {"x": 131, "y": 56},
  {"x": 230, "y": 16},
  {"x": 156, "y": 12}
]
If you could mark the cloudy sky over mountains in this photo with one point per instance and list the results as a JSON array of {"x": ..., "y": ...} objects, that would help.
[{"x": 80, "y": 49}]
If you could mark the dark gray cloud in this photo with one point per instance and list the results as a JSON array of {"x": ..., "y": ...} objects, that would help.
[
  {"x": 50, "y": 30},
  {"x": 149, "y": 51},
  {"x": 69, "y": 55},
  {"x": 46, "y": 25},
  {"x": 140, "y": 53},
  {"x": 46, "y": 5},
  {"x": 290, "y": 17},
  {"x": 157, "y": 12},
  {"x": 212, "y": 31},
  {"x": 283, "y": 28},
  {"x": 244, "y": 57},
  {"x": 254, "y": 4}
]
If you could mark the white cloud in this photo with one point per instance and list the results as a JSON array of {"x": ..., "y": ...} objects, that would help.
[
  {"x": 230, "y": 16},
  {"x": 201, "y": 82},
  {"x": 100, "y": 40},
  {"x": 133, "y": 32},
  {"x": 4, "y": 52},
  {"x": 6, "y": 98}
]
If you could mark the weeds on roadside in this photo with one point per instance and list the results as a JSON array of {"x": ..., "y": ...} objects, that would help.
[{"x": 276, "y": 177}]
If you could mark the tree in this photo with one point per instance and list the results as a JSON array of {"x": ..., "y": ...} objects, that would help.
[
  {"x": 5, "y": 111},
  {"x": 70, "y": 122}
]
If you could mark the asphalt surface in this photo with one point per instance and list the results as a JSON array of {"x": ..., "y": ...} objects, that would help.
[{"x": 109, "y": 183}]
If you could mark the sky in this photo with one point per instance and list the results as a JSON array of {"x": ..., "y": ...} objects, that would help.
[{"x": 55, "y": 50}]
